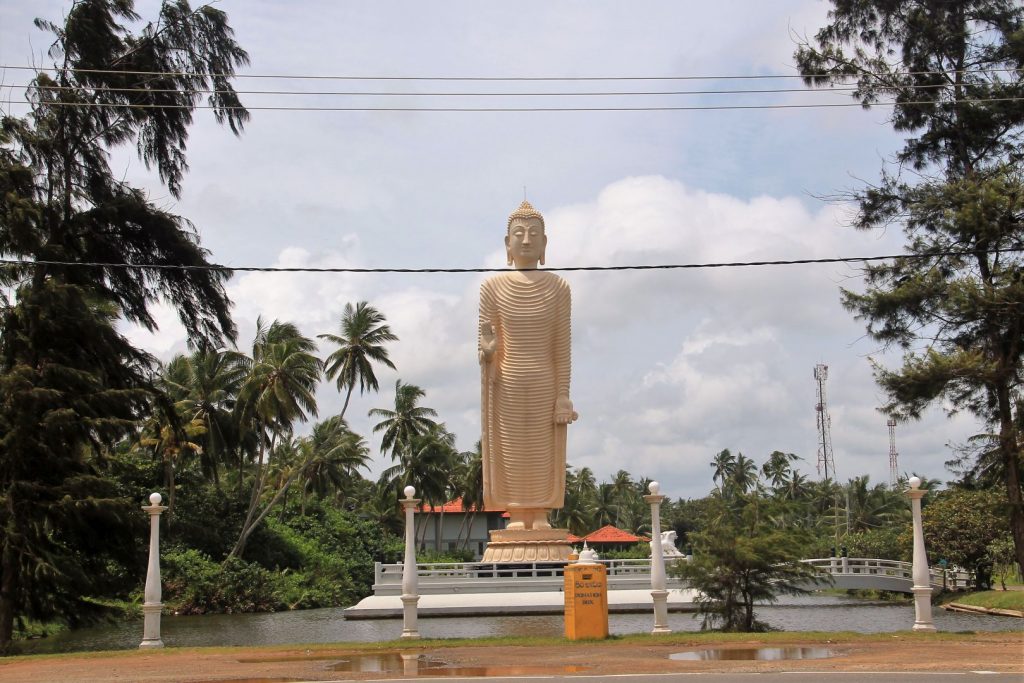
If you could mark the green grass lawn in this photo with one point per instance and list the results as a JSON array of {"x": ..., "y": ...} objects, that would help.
[{"x": 996, "y": 599}]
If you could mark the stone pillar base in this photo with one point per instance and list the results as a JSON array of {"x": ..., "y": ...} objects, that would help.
[{"x": 528, "y": 545}]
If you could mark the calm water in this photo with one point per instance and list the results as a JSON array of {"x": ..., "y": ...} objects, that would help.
[{"x": 809, "y": 613}]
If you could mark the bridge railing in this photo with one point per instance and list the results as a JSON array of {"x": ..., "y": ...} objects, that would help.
[
  {"x": 480, "y": 577},
  {"x": 949, "y": 579}
]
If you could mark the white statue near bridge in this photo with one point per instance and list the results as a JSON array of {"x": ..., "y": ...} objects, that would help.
[{"x": 668, "y": 544}]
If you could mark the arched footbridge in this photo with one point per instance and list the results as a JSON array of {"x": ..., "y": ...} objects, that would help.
[{"x": 888, "y": 575}]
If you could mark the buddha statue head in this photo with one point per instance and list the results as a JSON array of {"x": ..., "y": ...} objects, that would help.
[{"x": 525, "y": 240}]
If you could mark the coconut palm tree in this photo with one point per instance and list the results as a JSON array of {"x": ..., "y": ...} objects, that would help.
[
  {"x": 212, "y": 381},
  {"x": 407, "y": 420},
  {"x": 605, "y": 508},
  {"x": 870, "y": 507},
  {"x": 278, "y": 391},
  {"x": 469, "y": 482},
  {"x": 744, "y": 474},
  {"x": 360, "y": 345},
  {"x": 778, "y": 467},
  {"x": 336, "y": 455},
  {"x": 427, "y": 463},
  {"x": 724, "y": 463}
]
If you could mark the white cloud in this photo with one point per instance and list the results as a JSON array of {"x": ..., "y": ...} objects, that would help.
[{"x": 669, "y": 366}]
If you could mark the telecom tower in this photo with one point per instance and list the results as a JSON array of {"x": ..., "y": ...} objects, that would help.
[
  {"x": 894, "y": 469},
  {"x": 825, "y": 459}
]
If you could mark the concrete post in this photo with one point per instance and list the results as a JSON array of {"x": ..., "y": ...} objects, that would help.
[
  {"x": 410, "y": 579},
  {"x": 919, "y": 570},
  {"x": 152, "y": 605},
  {"x": 658, "y": 592}
]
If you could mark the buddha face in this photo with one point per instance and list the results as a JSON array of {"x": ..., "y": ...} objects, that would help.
[{"x": 525, "y": 243}]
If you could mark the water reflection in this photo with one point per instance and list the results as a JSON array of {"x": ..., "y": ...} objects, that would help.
[
  {"x": 421, "y": 665},
  {"x": 761, "y": 654},
  {"x": 811, "y": 613}
]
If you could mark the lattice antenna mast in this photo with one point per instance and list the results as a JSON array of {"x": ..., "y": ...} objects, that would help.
[
  {"x": 894, "y": 468},
  {"x": 826, "y": 461}
]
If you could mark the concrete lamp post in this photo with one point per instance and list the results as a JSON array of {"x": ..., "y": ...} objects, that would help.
[
  {"x": 152, "y": 605},
  {"x": 658, "y": 592},
  {"x": 919, "y": 570},
  {"x": 410, "y": 580}
]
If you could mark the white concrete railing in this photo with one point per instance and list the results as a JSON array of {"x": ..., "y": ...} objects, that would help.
[
  {"x": 479, "y": 577},
  {"x": 863, "y": 572}
]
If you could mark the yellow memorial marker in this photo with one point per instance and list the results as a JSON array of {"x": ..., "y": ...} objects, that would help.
[{"x": 586, "y": 598}]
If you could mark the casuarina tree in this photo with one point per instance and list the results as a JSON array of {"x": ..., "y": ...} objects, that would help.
[
  {"x": 70, "y": 383},
  {"x": 950, "y": 72}
]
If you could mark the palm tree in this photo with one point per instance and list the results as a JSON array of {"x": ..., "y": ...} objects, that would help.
[
  {"x": 360, "y": 344},
  {"x": 624, "y": 491},
  {"x": 212, "y": 382},
  {"x": 469, "y": 485},
  {"x": 278, "y": 391},
  {"x": 724, "y": 463},
  {"x": 427, "y": 463},
  {"x": 336, "y": 455},
  {"x": 605, "y": 507},
  {"x": 406, "y": 421},
  {"x": 795, "y": 487},
  {"x": 744, "y": 474},
  {"x": 869, "y": 507},
  {"x": 777, "y": 468}
]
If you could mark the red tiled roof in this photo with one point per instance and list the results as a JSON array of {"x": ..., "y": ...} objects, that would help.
[
  {"x": 455, "y": 506},
  {"x": 573, "y": 538},
  {"x": 612, "y": 534}
]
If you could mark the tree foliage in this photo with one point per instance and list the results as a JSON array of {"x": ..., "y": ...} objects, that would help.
[
  {"x": 70, "y": 383},
  {"x": 953, "y": 72},
  {"x": 742, "y": 559},
  {"x": 960, "y": 526}
]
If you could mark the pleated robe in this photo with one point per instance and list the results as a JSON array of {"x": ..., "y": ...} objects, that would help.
[{"x": 523, "y": 449}]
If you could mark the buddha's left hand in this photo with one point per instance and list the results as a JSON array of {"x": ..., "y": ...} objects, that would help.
[{"x": 564, "y": 414}]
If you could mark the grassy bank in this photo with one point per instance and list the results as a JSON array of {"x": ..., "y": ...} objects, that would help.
[{"x": 992, "y": 599}]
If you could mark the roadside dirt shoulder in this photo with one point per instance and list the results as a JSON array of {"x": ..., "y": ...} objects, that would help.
[{"x": 1001, "y": 652}]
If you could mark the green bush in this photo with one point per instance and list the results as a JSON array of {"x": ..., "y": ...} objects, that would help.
[
  {"x": 194, "y": 584},
  {"x": 637, "y": 551}
]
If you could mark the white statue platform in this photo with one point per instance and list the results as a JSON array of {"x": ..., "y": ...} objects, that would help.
[{"x": 482, "y": 589}]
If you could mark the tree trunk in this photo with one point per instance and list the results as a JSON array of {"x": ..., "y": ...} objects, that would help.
[
  {"x": 7, "y": 592},
  {"x": 1009, "y": 449}
]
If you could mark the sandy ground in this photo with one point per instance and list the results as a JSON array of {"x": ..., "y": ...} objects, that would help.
[{"x": 1000, "y": 652}]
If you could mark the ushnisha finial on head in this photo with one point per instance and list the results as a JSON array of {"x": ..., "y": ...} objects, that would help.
[{"x": 525, "y": 210}]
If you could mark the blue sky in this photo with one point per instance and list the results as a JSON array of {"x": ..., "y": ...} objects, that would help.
[{"x": 669, "y": 367}]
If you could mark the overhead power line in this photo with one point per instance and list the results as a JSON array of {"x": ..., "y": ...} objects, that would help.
[
  {"x": 478, "y": 93},
  {"x": 708, "y": 107},
  {"x": 669, "y": 266},
  {"x": 352, "y": 77}
]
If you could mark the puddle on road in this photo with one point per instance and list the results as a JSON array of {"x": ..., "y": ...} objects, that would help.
[
  {"x": 421, "y": 665},
  {"x": 762, "y": 654}
]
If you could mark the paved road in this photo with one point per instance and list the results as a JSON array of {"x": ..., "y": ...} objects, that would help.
[{"x": 784, "y": 677}]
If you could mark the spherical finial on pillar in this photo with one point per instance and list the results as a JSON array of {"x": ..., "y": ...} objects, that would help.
[
  {"x": 915, "y": 483},
  {"x": 409, "y": 492},
  {"x": 155, "y": 498},
  {"x": 654, "y": 487}
]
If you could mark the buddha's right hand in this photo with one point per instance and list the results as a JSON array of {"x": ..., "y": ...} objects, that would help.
[{"x": 488, "y": 341}]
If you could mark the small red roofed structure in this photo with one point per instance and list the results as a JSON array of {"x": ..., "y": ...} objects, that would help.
[{"x": 610, "y": 537}]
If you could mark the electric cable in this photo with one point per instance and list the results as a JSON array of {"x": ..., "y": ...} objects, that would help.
[
  {"x": 488, "y": 78},
  {"x": 709, "y": 107},
  {"x": 671, "y": 266},
  {"x": 358, "y": 93}
]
